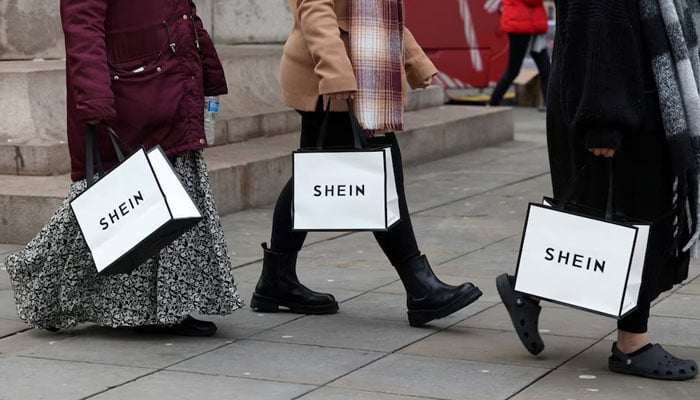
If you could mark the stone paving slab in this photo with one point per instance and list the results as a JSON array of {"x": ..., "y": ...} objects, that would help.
[
  {"x": 486, "y": 262},
  {"x": 11, "y": 326},
  {"x": 563, "y": 384},
  {"x": 8, "y": 310},
  {"x": 346, "y": 332},
  {"x": 124, "y": 348},
  {"x": 345, "y": 394},
  {"x": 26, "y": 339},
  {"x": 691, "y": 288},
  {"x": 4, "y": 279},
  {"x": 392, "y": 307},
  {"x": 675, "y": 331},
  {"x": 440, "y": 378},
  {"x": 679, "y": 305},
  {"x": 553, "y": 321},
  {"x": 184, "y": 386},
  {"x": 280, "y": 362},
  {"x": 594, "y": 360},
  {"x": 484, "y": 345},
  {"x": 39, "y": 379}
]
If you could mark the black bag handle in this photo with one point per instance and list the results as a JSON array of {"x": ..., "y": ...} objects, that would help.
[
  {"x": 92, "y": 151},
  {"x": 359, "y": 138},
  {"x": 575, "y": 185}
]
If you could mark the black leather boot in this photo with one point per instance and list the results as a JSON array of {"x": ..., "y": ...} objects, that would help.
[
  {"x": 279, "y": 286},
  {"x": 429, "y": 298}
]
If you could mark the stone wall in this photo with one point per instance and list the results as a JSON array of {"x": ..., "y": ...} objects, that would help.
[
  {"x": 31, "y": 29},
  {"x": 251, "y": 21}
]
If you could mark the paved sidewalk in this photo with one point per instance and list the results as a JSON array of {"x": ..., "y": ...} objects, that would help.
[{"x": 468, "y": 213}]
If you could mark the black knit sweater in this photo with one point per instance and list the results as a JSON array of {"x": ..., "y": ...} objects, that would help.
[{"x": 600, "y": 70}]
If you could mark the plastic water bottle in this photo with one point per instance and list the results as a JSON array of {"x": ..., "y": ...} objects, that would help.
[{"x": 211, "y": 108}]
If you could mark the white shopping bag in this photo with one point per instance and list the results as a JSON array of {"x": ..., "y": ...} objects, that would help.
[
  {"x": 134, "y": 211},
  {"x": 345, "y": 190},
  {"x": 582, "y": 261}
]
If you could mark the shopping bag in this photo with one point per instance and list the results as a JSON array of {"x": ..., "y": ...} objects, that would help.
[
  {"x": 132, "y": 212},
  {"x": 582, "y": 258},
  {"x": 344, "y": 189}
]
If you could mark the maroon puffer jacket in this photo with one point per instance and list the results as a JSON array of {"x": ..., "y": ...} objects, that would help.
[
  {"x": 524, "y": 16},
  {"x": 134, "y": 64}
]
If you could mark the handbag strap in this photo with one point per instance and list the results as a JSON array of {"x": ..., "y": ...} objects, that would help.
[
  {"x": 576, "y": 184},
  {"x": 359, "y": 138},
  {"x": 92, "y": 152}
]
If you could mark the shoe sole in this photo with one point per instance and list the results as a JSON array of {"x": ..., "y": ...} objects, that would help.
[
  {"x": 272, "y": 305},
  {"x": 165, "y": 330},
  {"x": 620, "y": 367},
  {"x": 418, "y": 318},
  {"x": 534, "y": 345}
]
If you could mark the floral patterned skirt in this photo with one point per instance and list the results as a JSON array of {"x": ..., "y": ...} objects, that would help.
[{"x": 56, "y": 284}]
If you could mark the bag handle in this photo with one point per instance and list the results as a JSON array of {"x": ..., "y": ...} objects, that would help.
[
  {"x": 92, "y": 151},
  {"x": 575, "y": 183},
  {"x": 359, "y": 139}
]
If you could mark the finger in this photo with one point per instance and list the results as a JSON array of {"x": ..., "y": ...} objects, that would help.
[{"x": 597, "y": 152}]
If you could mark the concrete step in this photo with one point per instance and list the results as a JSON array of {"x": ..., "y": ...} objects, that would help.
[
  {"x": 33, "y": 137},
  {"x": 251, "y": 173}
]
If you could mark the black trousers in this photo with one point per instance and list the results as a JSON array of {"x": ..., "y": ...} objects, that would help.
[
  {"x": 518, "y": 44},
  {"x": 399, "y": 243}
]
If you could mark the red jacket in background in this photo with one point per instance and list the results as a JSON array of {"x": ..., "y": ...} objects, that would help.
[
  {"x": 524, "y": 16},
  {"x": 134, "y": 63}
]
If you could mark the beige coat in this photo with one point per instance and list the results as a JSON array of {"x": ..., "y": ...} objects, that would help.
[{"x": 316, "y": 61}]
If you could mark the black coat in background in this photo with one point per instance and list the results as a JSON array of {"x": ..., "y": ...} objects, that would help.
[{"x": 602, "y": 94}]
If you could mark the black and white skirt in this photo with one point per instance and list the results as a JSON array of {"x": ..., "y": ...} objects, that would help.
[{"x": 56, "y": 284}]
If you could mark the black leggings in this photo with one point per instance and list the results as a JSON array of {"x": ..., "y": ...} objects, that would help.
[
  {"x": 518, "y": 44},
  {"x": 399, "y": 243}
]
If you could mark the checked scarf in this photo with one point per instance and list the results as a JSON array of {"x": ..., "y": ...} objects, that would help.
[
  {"x": 671, "y": 30},
  {"x": 376, "y": 51}
]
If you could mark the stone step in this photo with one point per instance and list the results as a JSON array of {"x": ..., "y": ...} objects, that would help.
[
  {"x": 33, "y": 137},
  {"x": 251, "y": 173}
]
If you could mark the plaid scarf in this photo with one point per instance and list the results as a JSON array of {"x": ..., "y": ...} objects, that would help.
[
  {"x": 671, "y": 29},
  {"x": 376, "y": 51}
]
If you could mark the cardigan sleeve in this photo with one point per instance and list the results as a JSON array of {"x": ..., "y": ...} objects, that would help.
[
  {"x": 602, "y": 86},
  {"x": 418, "y": 65},
  {"x": 86, "y": 58},
  {"x": 319, "y": 25}
]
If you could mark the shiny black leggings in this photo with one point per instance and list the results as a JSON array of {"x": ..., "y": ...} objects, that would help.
[{"x": 399, "y": 243}]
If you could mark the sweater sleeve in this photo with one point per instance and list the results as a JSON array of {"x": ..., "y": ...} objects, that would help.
[
  {"x": 319, "y": 25},
  {"x": 86, "y": 58},
  {"x": 602, "y": 85},
  {"x": 418, "y": 65}
]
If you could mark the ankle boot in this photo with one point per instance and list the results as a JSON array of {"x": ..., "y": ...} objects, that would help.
[
  {"x": 429, "y": 298},
  {"x": 279, "y": 286}
]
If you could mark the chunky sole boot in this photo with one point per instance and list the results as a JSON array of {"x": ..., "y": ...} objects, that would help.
[
  {"x": 273, "y": 304},
  {"x": 279, "y": 289},
  {"x": 468, "y": 295},
  {"x": 428, "y": 298}
]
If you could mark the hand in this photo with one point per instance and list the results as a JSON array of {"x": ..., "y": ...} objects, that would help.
[
  {"x": 426, "y": 83},
  {"x": 602, "y": 152},
  {"x": 342, "y": 96},
  {"x": 94, "y": 122}
]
